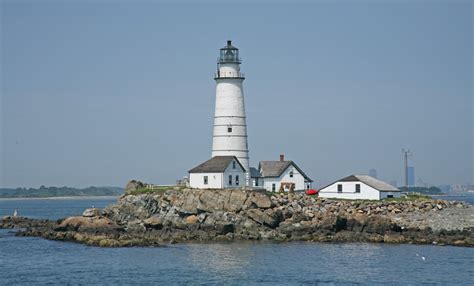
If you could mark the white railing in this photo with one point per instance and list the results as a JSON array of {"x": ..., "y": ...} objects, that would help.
[{"x": 229, "y": 75}]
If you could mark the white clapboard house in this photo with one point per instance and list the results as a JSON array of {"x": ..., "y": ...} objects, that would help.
[
  {"x": 359, "y": 187},
  {"x": 279, "y": 176},
  {"x": 219, "y": 172}
]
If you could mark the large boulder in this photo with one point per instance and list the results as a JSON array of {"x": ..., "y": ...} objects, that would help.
[
  {"x": 192, "y": 219},
  {"x": 212, "y": 200},
  {"x": 92, "y": 212},
  {"x": 133, "y": 185},
  {"x": 236, "y": 201},
  {"x": 87, "y": 224},
  {"x": 153, "y": 222},
  {"x": 269, "y": 218},
  {"x": 261, "y": 200},
  {"x": 190, "y": 201}
]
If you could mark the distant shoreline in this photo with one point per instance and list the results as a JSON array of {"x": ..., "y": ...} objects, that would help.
[{"x": 60, "y": 198}]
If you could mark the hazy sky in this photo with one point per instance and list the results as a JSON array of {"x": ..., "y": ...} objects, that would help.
[{"x": 100, "y": 93}]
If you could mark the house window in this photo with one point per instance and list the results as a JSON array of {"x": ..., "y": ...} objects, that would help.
[
  {"x": 291, "y": 174},
  {"x": 236, "y": 180},
  {"x": 389, "y": 196},
  {"x": 339, "y": 188},
  {"x": 274, "y": 187},
  {"x": 230, "y": 180},
  {"x": 229, "y": 129},
  {"x": 256, "y": 182},
  {"x": 233, "y": 164},
  {"x": 205, "y": 180},
  {"x": 357, "y": 188}
]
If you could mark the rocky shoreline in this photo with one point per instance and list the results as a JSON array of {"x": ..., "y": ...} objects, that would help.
[{"x": 182, "y": 215}]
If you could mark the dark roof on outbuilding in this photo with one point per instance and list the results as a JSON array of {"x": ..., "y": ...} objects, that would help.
[
  {"x": 276, "y": 168},
  {"x": 254, "y": 173},
  {"x": 216, "y": 164}
]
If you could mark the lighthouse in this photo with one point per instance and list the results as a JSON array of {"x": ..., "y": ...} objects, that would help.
[{"x": 230, "y": 127}]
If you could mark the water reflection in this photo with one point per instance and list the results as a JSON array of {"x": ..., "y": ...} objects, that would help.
[{"x": 221, "y": 258}]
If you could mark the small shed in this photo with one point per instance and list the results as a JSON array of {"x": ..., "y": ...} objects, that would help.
[{"x": 359, "y": 187}]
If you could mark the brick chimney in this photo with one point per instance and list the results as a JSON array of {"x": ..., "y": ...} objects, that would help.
[{"x": 282, "y": 157}]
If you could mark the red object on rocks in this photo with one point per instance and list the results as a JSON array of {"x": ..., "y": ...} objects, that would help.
[{"x": 311, "y": 192}]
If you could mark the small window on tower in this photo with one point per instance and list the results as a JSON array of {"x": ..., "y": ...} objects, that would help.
[{"x": 229, "y": 129}]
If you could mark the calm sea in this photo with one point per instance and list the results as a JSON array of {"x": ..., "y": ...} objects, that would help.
[{"x": 35, "y": 261}]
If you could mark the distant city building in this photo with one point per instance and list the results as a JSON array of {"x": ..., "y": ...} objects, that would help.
[
  {"x": 445, "y": 188},
  {"x": 394, "y": 183},
  {"x": 461, "y": 188},
  {"x": 411, "y": 176},
  {"x": 373, "y": 173}
]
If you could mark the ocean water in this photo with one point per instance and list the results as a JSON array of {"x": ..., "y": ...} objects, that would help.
[{"x": 36, "y": 261}]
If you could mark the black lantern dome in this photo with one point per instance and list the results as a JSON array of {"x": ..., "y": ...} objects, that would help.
[{"x": 229, "y": 54}]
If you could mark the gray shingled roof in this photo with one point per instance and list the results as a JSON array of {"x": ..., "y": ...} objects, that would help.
[
  {"x": 371, "y": 181},
  {"x": 276, "y": 168},
  {"x": 254, "y": 173},
  {"x": 216, "y": 164}
]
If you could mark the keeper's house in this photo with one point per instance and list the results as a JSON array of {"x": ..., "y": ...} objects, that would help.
[
  {"x": 359, "y": 187},
  {"x": 280, "y": 176},
  {"x": 218, "y": 173}
]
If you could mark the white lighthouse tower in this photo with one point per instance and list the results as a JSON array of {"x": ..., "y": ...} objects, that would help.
[{"x": 230, "y": 128}]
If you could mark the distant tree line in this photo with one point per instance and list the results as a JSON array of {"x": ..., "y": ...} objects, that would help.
[
  {"x": 423, "y": 190},
  {"x": 45, "y": 192}
]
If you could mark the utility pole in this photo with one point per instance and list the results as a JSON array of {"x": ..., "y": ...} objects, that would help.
[{"x": 406, "y": 153}]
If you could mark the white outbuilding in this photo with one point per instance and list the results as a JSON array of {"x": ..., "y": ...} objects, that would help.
[
  {"x": 280, "y": 176},
  {"x": 219, "y": 172},
  {"x": 359, "y": 187}
]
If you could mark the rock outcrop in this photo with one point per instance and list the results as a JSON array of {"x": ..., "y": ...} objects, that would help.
[
  {"x": 133, "y": 185},
  {"x": 235, "y": 214}
]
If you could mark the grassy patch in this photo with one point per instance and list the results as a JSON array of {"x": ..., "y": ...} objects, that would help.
[
  {"x": 156, "y": 190},
  {"x": 410, "y": 197}
]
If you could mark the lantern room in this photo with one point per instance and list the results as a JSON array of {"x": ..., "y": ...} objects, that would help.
[{"x": 229, "y": 54}]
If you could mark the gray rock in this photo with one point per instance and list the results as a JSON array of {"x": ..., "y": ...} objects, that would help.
[
  {"x": 261, "y": 200},
  {"x": 154, "y": 222},
  {"x": 92, "y": 212},
  {"x": 270, "y": 219},
  {"x": 133, "y": 185}
]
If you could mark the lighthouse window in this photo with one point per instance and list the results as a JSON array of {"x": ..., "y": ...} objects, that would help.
[{"x": 229, "y": 129}]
